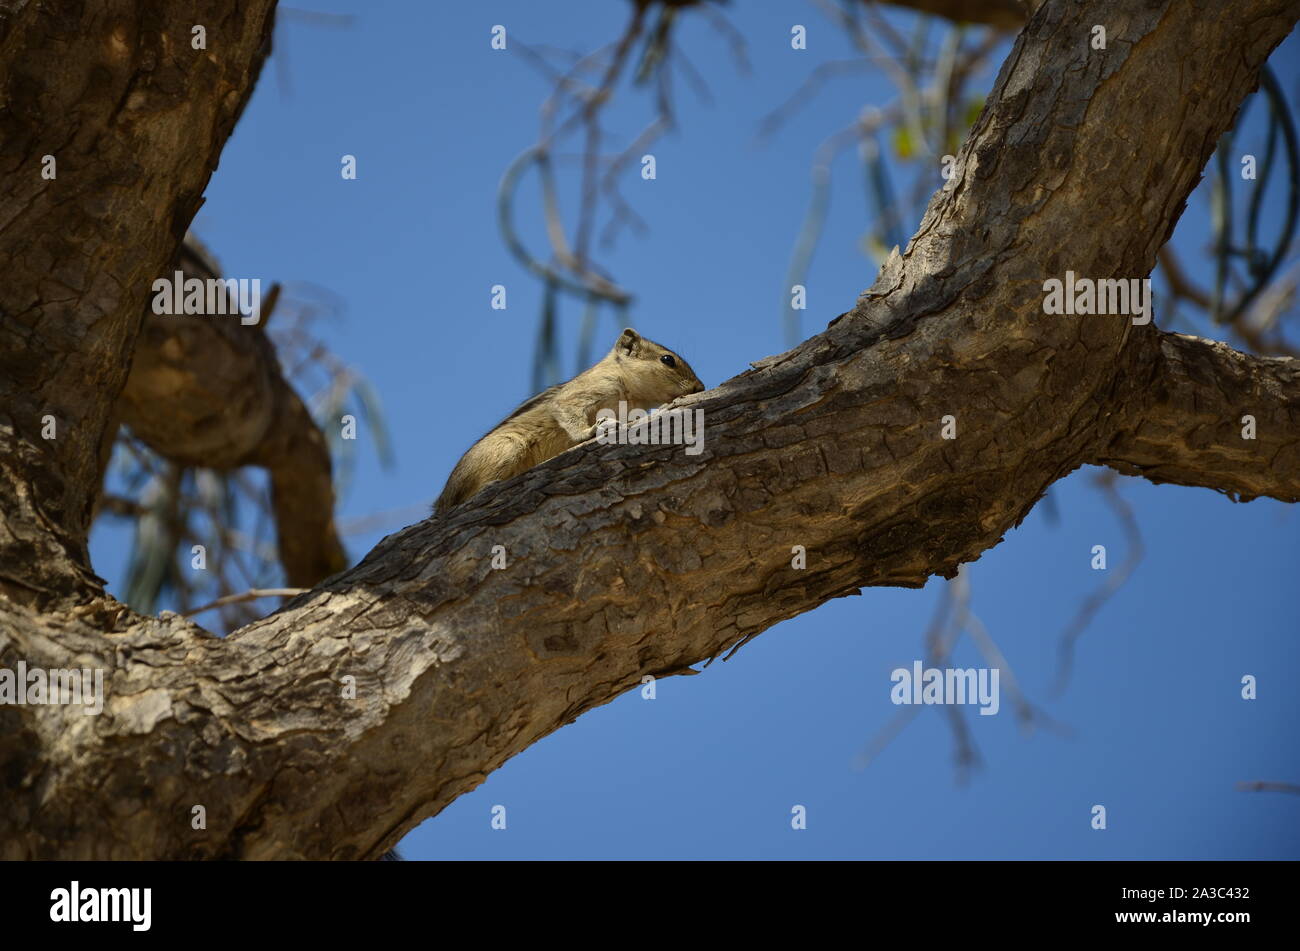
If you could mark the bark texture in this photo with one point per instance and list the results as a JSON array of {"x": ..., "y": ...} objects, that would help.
[
  {"x": 629, "y": 560},
  {"x": 1186, "y": 422},
  {"x": 135, "y": 119}
]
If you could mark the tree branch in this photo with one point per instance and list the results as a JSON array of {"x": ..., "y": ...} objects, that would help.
[
  {"x": 1183, "y": 421},
  {"x": 209, "y": 391}
]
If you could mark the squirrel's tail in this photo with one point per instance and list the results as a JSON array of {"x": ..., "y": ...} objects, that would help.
[{"x": 392, "y": 855}]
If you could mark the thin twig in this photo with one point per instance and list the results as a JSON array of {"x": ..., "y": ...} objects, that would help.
[
  {"x": 1260, "y": 785},
  {"x": 250, "y": 595},
  {"x": 1093, "y": 603}
]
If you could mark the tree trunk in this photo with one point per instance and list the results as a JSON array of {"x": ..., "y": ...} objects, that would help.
[
  {"x": 134, "y": 119},
  {"x": 624, "y": 561}
]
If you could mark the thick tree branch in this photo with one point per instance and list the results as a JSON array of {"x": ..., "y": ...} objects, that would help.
[
  {"x": 201, "y": 391},
  {"x": 209, "y": 392},
  {"x": 1183, "y": 419},
  {"x": 624, "y": 561},
  {"x": 133, "y": 119}
]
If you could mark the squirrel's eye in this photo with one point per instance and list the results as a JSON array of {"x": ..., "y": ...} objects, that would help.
[{"x": 667, "y": 360}]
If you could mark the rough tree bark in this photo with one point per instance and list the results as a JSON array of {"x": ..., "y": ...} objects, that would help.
[
  {"x": 135, "y": 119},
  {"x": 626, "y": 561}
]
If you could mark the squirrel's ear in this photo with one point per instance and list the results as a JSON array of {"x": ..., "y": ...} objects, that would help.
[{"x": 628, "y": 341}]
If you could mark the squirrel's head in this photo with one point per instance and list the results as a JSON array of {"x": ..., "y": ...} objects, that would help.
[{"x": 653, "y": 371}]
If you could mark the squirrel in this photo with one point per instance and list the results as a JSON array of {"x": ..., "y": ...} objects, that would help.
[{"x": 637, "y": 370}]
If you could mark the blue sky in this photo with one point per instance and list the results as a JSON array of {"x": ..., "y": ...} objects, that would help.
[{"x": 711, "y": 768}]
